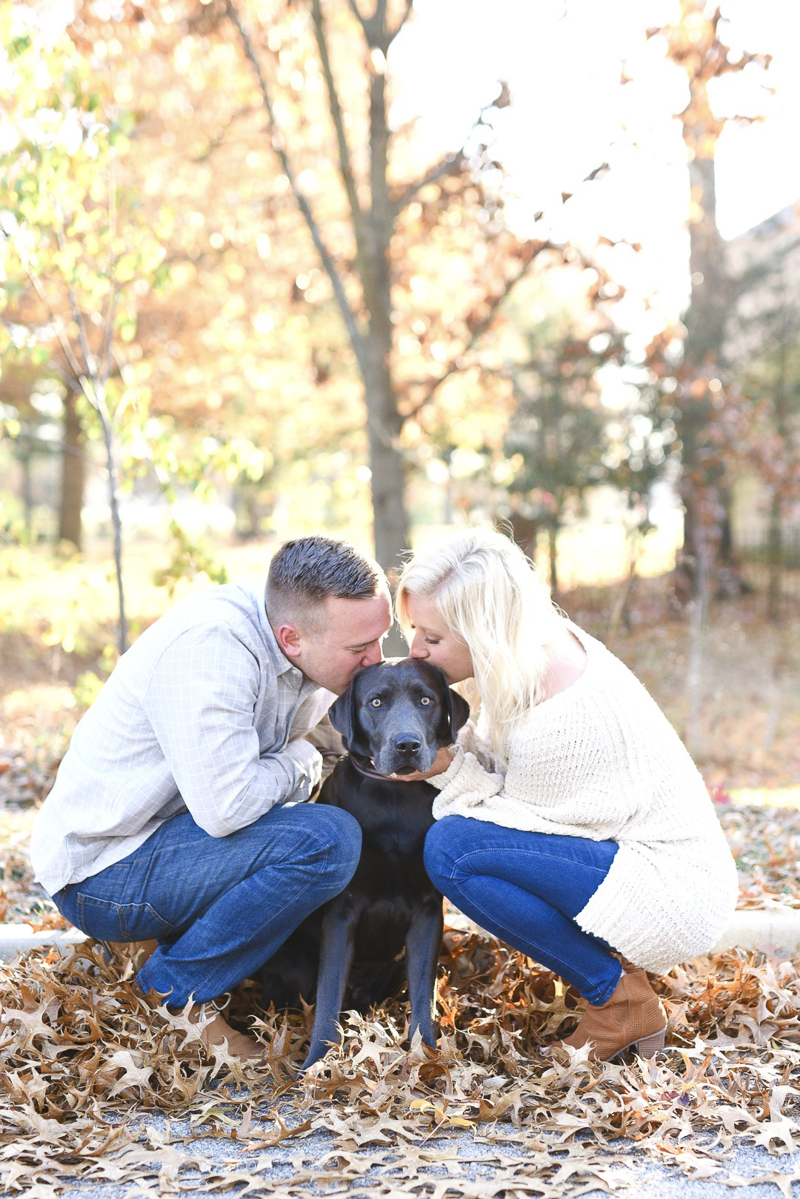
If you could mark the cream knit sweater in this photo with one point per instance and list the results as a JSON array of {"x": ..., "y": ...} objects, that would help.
[{"x": 600, "y": 760}]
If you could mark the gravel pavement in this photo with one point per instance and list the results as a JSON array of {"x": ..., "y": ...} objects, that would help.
[{"x": 460, "y": 1158}]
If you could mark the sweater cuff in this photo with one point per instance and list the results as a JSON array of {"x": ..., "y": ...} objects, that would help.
[{"x": 464, "y": 781}]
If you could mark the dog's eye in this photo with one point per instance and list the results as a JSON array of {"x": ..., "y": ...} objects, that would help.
[
  {"x": 375, "y": 703},
  {"x": 426, "y": 699}
]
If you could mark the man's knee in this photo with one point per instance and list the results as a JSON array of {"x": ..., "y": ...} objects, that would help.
[{"x": 337, "y": 843}]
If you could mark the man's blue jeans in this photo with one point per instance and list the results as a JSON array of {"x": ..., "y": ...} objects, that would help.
[
  {"x": 218, "y": 906},
  {"x": 527, "y": 888}
]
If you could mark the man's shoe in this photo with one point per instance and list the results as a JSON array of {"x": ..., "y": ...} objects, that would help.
[
  {"x": 218, "y": 1030},
  {"x": 135, "y": 952},
  {"x": 633, "y": 1016},
  {"x": 213, "y": 1033}
]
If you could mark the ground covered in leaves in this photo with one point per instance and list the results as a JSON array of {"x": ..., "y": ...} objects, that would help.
[
  {"x": 84, "y": 1059},
  {"x": 95, "y": 1089}
]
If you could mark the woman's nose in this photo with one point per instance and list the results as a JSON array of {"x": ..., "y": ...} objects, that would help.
[{"x": 418, "y": 649}]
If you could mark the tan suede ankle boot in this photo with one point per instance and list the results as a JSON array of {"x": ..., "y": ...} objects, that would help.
[{"x": 633, "y": 1016}]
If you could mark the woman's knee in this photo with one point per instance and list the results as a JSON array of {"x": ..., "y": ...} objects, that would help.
[{"x": 440, "y": 850}]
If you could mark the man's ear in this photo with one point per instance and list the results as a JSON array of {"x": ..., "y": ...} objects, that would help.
[{"x": 288, "y": 638}]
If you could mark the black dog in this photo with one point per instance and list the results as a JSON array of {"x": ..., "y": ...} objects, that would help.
[{"x": 393, "y": 718}]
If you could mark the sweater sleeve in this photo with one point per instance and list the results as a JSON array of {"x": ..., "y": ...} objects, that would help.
[
  {"x": 568, "y": 773},
  {"x": 464, "y": 784},
  {"x": 471, "y": 742}
]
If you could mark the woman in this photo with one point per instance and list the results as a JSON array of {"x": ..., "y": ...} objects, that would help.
[{"x": 599, "y": 853}]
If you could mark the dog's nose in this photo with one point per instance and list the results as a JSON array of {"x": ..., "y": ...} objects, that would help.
[{"x": 407, "y": 743}]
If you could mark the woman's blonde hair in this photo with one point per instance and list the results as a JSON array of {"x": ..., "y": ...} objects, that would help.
[{"x": 489, "y": 594}]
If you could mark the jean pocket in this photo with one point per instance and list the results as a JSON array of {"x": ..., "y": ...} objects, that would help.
[{"x": 109, "y": 921}]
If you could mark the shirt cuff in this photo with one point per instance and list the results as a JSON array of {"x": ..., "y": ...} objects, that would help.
[{"x": 307, "y": 762}]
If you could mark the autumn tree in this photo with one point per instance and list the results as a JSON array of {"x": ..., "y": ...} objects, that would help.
[
  {"x": 375, "y": 224},
  {"x": 557, "y": 437},
  {"x": 703, "y": 402},
  {"x": 765, "y": 353},
  {"x": 257, "y": 131},
  {"x": 72, "y": 247}
]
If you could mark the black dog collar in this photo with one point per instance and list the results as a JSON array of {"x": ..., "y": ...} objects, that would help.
[{"x": 364, "y": 766}]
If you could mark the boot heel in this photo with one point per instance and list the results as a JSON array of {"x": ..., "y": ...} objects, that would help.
[{"x": 650, "y": 1045}]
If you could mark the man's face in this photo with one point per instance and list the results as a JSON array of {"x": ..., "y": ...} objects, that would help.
[{"x": 351, "y": 635}]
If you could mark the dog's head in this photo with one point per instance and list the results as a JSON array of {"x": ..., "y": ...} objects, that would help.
[{"x": 399, "y": 714}]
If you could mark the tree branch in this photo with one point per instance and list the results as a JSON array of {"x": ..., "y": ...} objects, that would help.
[
  {"x": 345, "y": 162},
  {"x": 356, "y": 337},
  {"x": 215, "y": 142},
  {"x": 77, "y": 315},
  {"x": 358, "y": 14},
  {"x": 446, "y": 164},
  {"x": 403, "y": 19},
  {"x": 55, "y": 443},
  {"x": 533, "y": 250},
  {"x": 58, "y": 325},
  {"x": 106, "y": 354},
  {"x": 444, "y": 167},
  {"x": 110, "y": 313}
]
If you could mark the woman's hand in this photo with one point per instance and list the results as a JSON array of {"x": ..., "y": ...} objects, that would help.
[{"x": 440, "y": 763}]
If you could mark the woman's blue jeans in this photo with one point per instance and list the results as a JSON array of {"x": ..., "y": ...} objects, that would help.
[
  {"x": 527, "y": 889},
  {"x": 218, "y": 906}
]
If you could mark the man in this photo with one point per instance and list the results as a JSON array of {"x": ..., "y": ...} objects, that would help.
[{"x": 169, "y": 818}]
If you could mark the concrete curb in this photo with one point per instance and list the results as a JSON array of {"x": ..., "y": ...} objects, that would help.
[
  {"x": 16, "y": 939},
  {"x": 772, "y": 931}
]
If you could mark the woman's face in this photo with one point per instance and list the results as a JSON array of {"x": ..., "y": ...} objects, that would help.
[{"x": 432, "y": 641}]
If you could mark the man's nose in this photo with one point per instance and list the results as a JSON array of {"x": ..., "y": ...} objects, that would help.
[{"x": 372, "y": 655}]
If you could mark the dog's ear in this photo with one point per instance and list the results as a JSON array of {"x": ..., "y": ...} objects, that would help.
[
  {"x": 343, "y": 716},
  {"x": 341, "y": 713},
  {"x": 457, "y": 709}
]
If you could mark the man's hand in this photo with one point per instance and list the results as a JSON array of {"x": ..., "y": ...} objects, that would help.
[{"x": 441, "y": 762}]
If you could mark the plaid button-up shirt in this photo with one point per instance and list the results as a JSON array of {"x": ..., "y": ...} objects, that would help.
[{"x": 203, "y": 713}]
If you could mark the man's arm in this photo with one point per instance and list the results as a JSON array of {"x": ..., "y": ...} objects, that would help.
[
  {"x": 201, "y": 702},
  {"x": 330, "y": 744}
]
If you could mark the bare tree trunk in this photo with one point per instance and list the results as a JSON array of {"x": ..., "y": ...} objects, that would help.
[
  {"x": 700, "y": 486},
  {"x": 73, "y": 473},
  {"x": 694, "y": 43},
  {"x": 552, "y": 542},
  {"x": 526, "y": 533},
  {"x": 388, "y": 476},
  {"x": 697, "y": 631},
  {"x": 386, "y": 465},
  {"x": 113, "y": 501},
  {"x": 775, "y": 559},
  {"x": 24, "y": 454}
]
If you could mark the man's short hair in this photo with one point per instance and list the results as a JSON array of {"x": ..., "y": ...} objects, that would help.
[{"x": 304, "y": 572}]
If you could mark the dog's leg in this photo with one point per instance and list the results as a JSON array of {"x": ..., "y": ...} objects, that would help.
[
  {"x": 423, "y": 943},
  {"x": 335, "y": 959}
]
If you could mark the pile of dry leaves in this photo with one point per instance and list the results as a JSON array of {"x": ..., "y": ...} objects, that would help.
[{"x": 83, "y": 1058}]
